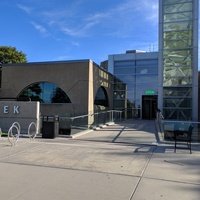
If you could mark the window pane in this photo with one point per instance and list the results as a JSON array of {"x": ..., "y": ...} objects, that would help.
[
  {"x": 119, "y": 104},
  {"x": 177, "y": 35},
  {"x": 178, "y": 44},
  {"x": 147, "y": 62},
  {"x": 45, "y": 93},
  {"x": 124, "y": 63},
  {"x": 178, "y": 71},
  {"x": 119, "y": 95},
  {"x": 178, "y": 102},
  {"x": 124, "y": 70},
  {"x": 146, "y": 79},
  {"x": 119, "y": 86},
  {"x": 178, "y": 16},
  {"x": 175, "y": 92},
  {"x": 175, "y": 1},
  {"x": 178, "y": 26},
  {"x": 177, "y": 81},
  {"x": 147, "y": 70},
  {"x": 179, "y": 114},
  {"x": 173, "y": 8},
  {"x": 177, "y": 58}
]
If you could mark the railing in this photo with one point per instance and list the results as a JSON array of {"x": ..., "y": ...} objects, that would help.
[
  {"x": 131, "y": 113},
  {"x": 159, "y": 120},
  {"x": 167, "y": 128},
  {"x": 72, "y": 125}
]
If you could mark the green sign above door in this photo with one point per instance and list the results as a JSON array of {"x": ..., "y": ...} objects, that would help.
[{"x": 150, "y": 92}]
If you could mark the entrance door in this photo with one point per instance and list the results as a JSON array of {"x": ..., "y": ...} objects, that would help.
[{"x": 149, "y": 106}]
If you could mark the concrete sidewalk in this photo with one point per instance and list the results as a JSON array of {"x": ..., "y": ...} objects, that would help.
[{"x": 119, "y": 162}]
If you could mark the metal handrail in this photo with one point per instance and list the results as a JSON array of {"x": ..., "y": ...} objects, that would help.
[{"x": 82, "y": 116}]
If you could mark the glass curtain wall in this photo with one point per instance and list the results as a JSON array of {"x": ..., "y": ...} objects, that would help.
[
  {"x": 177, "y": 59},
  {"x": 133, "y": 78}
]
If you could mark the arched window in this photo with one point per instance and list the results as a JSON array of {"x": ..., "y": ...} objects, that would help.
[
  {"x": 101, "y": 97},
  {"x": 44, "y": 92}
]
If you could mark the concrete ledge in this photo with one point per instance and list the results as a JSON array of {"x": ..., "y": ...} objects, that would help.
[
  {"x": 96, "y": 128},
  {"x": 102, "y": 125},
  {"x": 81, "y": 133},
  {"x": 110, "y": 123}
]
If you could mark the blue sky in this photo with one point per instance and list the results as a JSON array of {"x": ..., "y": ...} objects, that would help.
[{"x": 47, "y": 30}]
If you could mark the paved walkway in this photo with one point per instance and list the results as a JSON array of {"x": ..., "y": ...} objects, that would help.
[{"x": 119, "y": 162}]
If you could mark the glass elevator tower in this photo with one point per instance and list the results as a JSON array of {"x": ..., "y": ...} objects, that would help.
[{"x": 178, "y": 59}]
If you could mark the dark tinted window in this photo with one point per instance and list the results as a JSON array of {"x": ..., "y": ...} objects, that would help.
[{"x": 45, "y": 93}]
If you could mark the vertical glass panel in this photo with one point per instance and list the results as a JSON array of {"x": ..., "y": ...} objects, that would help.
[
  {"x": 147, "y": 70},
  {"x": 178, "y": 26},
  {"x": 147, "y": 62},
  {"x": 175, "y": 1},
  {"x": 182, "y": 7},
  {"x": 145, "y": 79},
  {"x": 124, "y": 63},
  {"x": 177, "y": 92},
  {"x": 177, "y": 114},
  {"x": 178, "y": 71},
  {"x": 177, "y": 58},
  {"x": 177, "y": 35},
  {"x": 177, "y": 44},
  {"x": 120, "y": 104},
  {"x": 124, "y": 70},
  {"x": 177, "y": 81},
  {"x": 119, "y": 95},
  {"x": 177, "y": 102},
  {"x": 173, "y": 17},
  {"x": 119, "y": 86}
]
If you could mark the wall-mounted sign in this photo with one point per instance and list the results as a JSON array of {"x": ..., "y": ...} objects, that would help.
[
  {"x": 23, "y": 112},
  {"x": 150, "y": 92},
  {"x": 14, "y": 109}
]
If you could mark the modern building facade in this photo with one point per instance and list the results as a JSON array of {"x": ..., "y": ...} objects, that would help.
[
  {"x": 135, "y": 83},
  {"x": 178, "y": 59},
  {"x": 65, "y": 88}
]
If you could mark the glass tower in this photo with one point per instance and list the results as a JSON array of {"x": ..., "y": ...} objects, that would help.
[
  {"x": 136, "y": 75},
  {"x": 178, "y": 47}
]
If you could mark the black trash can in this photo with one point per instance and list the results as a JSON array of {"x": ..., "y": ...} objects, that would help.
[{"x": 50, "y": 127}]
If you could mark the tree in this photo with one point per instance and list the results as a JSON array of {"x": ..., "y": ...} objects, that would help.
[{"x": 11, "y": 55}]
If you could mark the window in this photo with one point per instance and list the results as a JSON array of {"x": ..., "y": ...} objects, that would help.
[
  {"x": 101, "y": 97},
  {"x": 44, "y": 92},
  {"x": 179, "y": 7}
]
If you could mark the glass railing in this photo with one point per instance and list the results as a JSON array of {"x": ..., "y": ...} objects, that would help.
[
  {"x": 168, "y": 128},
  {"x": 72, "y": 125},
  {"x": 131, "y": 113}
]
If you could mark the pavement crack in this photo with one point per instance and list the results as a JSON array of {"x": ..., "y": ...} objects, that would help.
[{"x": 142, "y": 175}]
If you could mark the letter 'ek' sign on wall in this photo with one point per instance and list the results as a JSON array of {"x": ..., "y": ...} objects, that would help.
[{"x": 14, "y": 109}]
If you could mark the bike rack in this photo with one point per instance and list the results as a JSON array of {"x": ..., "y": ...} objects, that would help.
[
  {"x": 32, "y": 134},
  {"x": 13, "y": 138}
]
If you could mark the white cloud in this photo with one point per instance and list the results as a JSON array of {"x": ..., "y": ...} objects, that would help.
[
  {"x": 76, "y": 44},
  {"x": 26, "y": 9},
  {"x": 79, "y": 31},
  {"x": 39, "y": 28},
  {"x": 149, "y": 9},
  {"x": 117, "y": 20}
]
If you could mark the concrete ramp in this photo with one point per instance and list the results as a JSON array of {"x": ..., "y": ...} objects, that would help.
[{"x": 130, "y": 131}]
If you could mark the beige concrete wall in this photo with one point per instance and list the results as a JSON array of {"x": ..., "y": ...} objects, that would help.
[
  {"x": 72, "y": 77},
  {"x": 79, "y": 79},
  {"x": 104, "y": 79}
]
